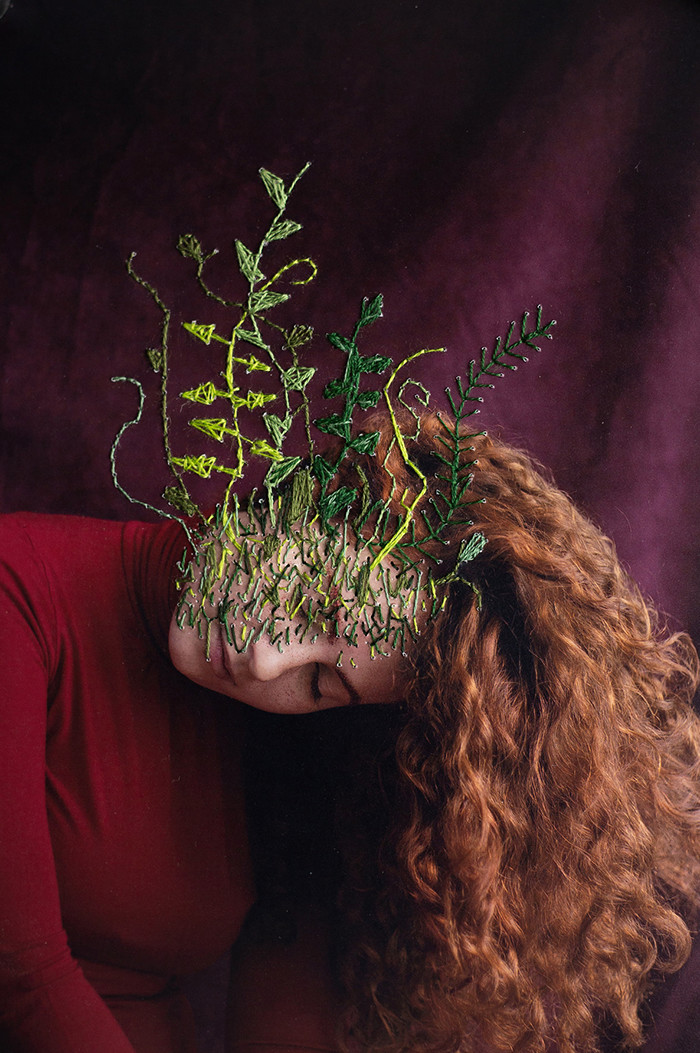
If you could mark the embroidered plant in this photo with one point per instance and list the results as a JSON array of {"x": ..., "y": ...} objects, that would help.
[{"x": 311, "y": 555}]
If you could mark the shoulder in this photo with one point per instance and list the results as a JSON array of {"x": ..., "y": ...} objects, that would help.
[
  {"x": 23, "y": 530},
  {"x": 46, "y": 552},
  {"x": 65, "y": 576},
  {"x": 63, "y": 538},
  {"x": 88, "y": 565},
  {"x": 45, "y": 563}
]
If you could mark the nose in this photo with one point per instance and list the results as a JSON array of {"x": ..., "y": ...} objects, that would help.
[{"x": 267, "y": 662}]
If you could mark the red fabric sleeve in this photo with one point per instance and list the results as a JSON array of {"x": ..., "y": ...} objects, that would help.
[
  {"x": 46, "y": 1004},
  {"x": 283, "y": 999}
]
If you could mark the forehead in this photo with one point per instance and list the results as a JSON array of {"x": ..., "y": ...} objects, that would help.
[{"x": 298, "y": 584}]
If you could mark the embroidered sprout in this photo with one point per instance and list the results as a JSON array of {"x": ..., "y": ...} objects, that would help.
[{"x": 310, "y": 553}]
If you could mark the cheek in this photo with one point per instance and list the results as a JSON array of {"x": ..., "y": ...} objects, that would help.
[
  {"x": 274, "y": 698},
  {"x": 184, "y": 648},
  {"x": 188, "y": 654},
  {"x": 379, "y": 680}
]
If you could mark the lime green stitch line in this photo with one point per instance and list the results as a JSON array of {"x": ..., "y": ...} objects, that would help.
[
  {"x": 222, "y": 564},
  {"x": 423, "y": 398},
  {"x": 403, "y": 526},
  {"x": 233, "y": 542}
]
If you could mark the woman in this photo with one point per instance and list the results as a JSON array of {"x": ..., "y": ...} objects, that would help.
[{"x": 527, "y": 856}]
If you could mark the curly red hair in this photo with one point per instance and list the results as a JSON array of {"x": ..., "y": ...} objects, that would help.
[{"x": 540, "y": 855}]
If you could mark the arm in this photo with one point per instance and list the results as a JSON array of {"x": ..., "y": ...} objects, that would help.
[{"x": 46, "y": 1005}]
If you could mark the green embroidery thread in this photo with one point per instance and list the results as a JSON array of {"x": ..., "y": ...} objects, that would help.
[{"x": 312, "y": 555}]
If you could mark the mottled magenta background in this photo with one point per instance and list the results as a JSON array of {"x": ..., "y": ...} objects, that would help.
[{"x": 470, "y": 160}]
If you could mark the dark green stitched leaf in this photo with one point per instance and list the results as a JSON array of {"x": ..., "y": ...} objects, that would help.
[
  {"x": 333, "y": 425},
  {"x": 341, "y": 342},
  {"x": 375, "y": 363},
  {"x": 275, "y": 187},
  {"x": 366, "y": 443},
  {"x": 323, "y": 471},
  {"x": 371, "y": 310},
  {"x": 334, "y": 388},
  {"x": 333, "y": 504},
  {"x": 368, "y": 399}
]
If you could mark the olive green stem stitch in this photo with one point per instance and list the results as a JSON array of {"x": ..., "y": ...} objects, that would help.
[{"x": 113, "y": 456}]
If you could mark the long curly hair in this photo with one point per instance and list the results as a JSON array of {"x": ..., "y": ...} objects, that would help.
[{"x": 528, "y": 857}]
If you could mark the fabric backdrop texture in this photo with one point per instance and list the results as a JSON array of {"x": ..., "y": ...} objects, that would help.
[{"x": 469, "y": 161}]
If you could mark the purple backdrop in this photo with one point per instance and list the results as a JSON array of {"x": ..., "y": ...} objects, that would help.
[{"x": 469, "y": 161}]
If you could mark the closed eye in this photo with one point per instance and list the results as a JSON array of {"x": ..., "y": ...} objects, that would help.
[
  {"x": 328, "y": 686},
  {"x": 333, "y": 684}
]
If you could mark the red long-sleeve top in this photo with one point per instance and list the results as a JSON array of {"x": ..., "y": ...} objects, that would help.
[{"x": 123, "y": 851}]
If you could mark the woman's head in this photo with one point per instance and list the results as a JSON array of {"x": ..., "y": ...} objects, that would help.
[
  {"x": 310, "y": 603},
  {"x": 328, "y": 610},
  {"x": 341, "y": 609}
]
